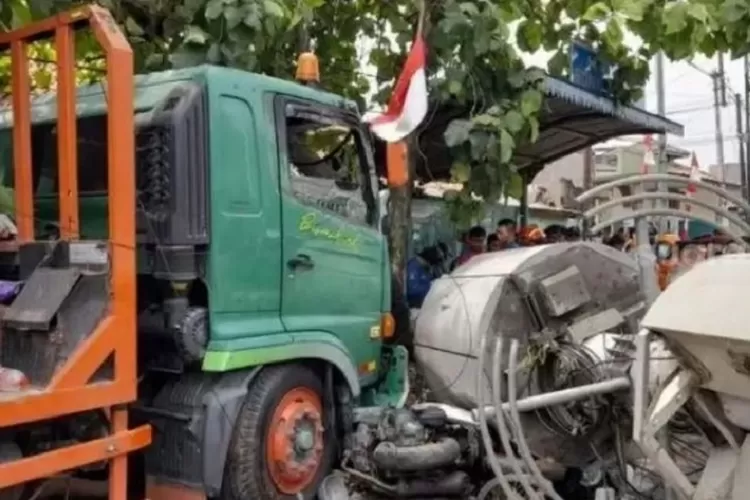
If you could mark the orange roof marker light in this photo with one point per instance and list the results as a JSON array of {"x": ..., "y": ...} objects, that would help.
[{"x": 308, "y": 68}]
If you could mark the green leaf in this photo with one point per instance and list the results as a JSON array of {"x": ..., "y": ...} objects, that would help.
[
  {"x": 533, "y": 129},
  {"x": 214, "y": 53},
  {"x": 531, "y": 102},
  {"x": 233, "y": 16},
  {"x": 698, "y": 11},
  {"x": 455, "y": 87},
  {"x": 613, "y": 33},
  {"x": 630, "y": 9},
  {"x": 733, "y": 11},
  {"x": 457, "y": 132},
  {"x": 513, "y": 121},
  {"x": 214, "y": 9},
  {"x": 675, "y": 18},
  {"x": 272, "y": 8},
  {"x": 529, "y": 36},
  {"x": 486, "y": 120},
  {"x": 558, "y": 64},
  {"x": 460, "y": 172},
  {"x": 469, "y": 9},
  {"x": 154, "y": 60},
  {"x": 132, "y": 27},
  {"x": 195, "y": 35},
  {"x": 252, "y": 19},
  {"x": 596, "y": 12},
  {"x": 186, "y": 57},
  {"x": 507, "y": 144}
]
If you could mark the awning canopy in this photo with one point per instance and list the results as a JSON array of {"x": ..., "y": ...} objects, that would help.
[{"x": 572, "y": 119}]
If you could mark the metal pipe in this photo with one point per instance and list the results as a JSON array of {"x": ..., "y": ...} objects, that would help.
[
  {"x": 497, "y": 398},
  {"x": 738, "y": 237},
  {"x": 668, "y": 178},
  {"x": 563, "y": 396},
  {"x": 484, "y": 429},
  {"x": 515, "y": 420},
  {"x": 669, "y": 196},
  {"x": 640, "y": 372}
]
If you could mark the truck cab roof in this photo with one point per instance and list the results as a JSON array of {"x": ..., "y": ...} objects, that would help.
[{"x": 153, "y": 87}]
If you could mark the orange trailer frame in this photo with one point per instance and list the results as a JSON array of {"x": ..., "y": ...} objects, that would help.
[{"x": 70, "y": 390}]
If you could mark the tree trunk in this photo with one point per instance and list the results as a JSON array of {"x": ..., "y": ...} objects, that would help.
[{"x": 400, "y": 158}]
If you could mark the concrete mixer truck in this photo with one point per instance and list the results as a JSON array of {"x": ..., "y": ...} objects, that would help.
[{"x": 235, "y": 315}]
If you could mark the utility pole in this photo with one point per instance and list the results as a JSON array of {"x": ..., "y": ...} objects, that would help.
[
  {"x": 718, "y": 79},
  {"x": 662, "y": 165},
  {"x": 741, "y": 139},
  {"x": 747, "y": 125},
  {"x": 588, "y": 183}
]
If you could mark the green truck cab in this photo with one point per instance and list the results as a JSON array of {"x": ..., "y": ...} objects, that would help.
[{"x": 263, "y": 277}]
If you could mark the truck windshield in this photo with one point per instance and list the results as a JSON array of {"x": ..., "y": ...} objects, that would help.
[{"x": 329, "y": 168}]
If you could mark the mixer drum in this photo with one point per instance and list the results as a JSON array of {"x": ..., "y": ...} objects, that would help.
[{"x": 566, "y": 290}]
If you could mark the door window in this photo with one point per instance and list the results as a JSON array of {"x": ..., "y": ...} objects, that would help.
[{"x": 329, "y": 167}]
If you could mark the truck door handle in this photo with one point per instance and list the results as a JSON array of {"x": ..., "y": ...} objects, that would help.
[{"x": 300, "y": 261}]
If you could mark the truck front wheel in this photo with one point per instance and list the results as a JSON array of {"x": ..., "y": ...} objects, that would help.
[{"x": 280, "y": 448}]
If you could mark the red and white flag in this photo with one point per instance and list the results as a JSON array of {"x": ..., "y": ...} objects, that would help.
[
  {"x": 408, "y": 104},
  {"x": 648, "y": 154}
]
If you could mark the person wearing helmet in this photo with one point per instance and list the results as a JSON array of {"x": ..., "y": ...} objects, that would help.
[{"x": 532, "y": 235}]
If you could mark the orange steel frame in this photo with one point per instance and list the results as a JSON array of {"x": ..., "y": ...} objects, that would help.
[{"x": 70, "y": 390}]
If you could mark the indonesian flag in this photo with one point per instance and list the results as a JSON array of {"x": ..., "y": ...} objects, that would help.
[
  {"x": 648, "y": 154},
  {"x": 408, "y": 105},
  {"x": 695, "y": 175}
]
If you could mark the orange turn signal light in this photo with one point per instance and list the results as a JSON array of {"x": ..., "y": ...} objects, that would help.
[{"x": 387, "y": 325}]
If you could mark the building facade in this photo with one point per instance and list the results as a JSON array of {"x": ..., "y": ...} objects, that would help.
[{"x": 563, "y": 181}]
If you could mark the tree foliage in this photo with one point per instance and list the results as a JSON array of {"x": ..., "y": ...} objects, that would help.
[{"x": 474, "y": 60}]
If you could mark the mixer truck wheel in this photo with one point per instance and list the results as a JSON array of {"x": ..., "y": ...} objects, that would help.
[{"x": 280, "y": 448}]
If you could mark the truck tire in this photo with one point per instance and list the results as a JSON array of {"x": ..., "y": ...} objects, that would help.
[{"x": 279, "y": 448}]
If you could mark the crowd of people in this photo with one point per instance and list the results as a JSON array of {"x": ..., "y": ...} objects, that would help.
[{"x": 434, "y": 261}]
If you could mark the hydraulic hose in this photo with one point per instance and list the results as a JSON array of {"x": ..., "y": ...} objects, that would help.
[
  {"x": 495, "y": 465},
  {"x": 497, "y": 388}
]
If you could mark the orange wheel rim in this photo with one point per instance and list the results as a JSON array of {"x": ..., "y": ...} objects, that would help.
[{"x": 294, "y": 442}]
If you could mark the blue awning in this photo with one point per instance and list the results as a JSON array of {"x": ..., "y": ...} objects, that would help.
[{"x": 573, "y": 119}]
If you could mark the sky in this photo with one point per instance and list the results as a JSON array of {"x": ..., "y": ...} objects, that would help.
[{"x": 689, "y": 101}]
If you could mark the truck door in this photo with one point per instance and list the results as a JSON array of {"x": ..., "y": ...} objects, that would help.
[{"x": 332, "y": 251}]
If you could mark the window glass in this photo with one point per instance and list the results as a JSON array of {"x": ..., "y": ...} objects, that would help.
[
  {"x": 92, "y": 156},
  {"x": 329, "y": 168}
]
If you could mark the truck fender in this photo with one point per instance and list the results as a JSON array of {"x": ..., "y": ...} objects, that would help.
[
  {"x": 298, "y": 345},
  {"x": 222, "y": 404}
]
